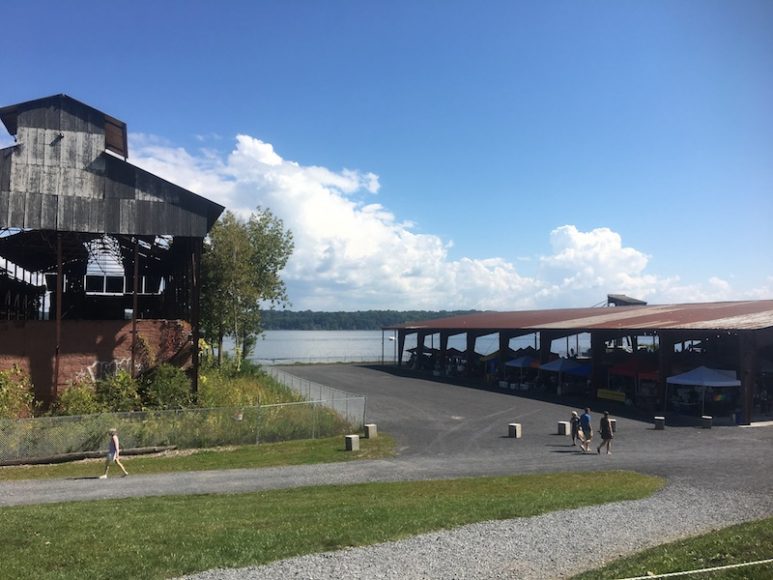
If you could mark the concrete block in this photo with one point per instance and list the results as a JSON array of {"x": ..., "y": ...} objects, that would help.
[
  {"x": 660, "y": 423},
  {"x": 371, "y": 431},
  {"x": 514, "y": 430},
  {"x": 706, "y": 421},
  {"x": 564, "y": 428},
  {"x": 352, "y": 442}
]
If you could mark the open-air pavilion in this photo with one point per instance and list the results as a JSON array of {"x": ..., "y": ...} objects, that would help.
[{"x": 727, "y": 335}]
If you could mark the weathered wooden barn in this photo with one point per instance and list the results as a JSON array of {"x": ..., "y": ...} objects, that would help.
[{"x": 99, "y": 259}]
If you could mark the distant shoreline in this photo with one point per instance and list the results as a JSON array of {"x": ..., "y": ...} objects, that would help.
[{"x": 342, "y": 320}]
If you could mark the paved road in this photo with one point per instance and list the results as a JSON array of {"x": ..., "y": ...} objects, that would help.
[{"x": 448, "y": 431}]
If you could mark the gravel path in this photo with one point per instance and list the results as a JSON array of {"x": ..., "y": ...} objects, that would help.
[{"x": 548, "y": 546}]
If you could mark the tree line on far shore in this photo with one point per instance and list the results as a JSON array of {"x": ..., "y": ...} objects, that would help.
[{"x": 359, "y": 320}]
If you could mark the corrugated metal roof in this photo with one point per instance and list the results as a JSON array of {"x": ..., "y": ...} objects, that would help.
[{"x": 721, "y": 316}]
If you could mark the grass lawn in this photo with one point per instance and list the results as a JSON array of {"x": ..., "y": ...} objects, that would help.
[
  {"x": 264, "y": 455},
  {"x": 734, "y": 545},
  {"x": 161, "y": 537}
]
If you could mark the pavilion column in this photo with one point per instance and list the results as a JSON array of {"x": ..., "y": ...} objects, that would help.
[
  {"x": 443, "y": 348},
  {"x": 400, "y": 346},
  {"x": 470, "y": 351},
  {"x": 597, "y": 348},
  {"x": 748, "y": 367},
  {"x": 545, "y": 342},
  {"x": 666, "y": 343},
  {"x": 504, "y": 348}
]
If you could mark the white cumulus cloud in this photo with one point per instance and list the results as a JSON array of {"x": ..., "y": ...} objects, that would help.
[{"x": 352, "y": 253}]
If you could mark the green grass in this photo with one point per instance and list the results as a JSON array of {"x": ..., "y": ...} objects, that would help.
[
  {"x": 750, "y": 542},
  {"x": 326, "y": 450},
  {"x": 167, "y": 536}
]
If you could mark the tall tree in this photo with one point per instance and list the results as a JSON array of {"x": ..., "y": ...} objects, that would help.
[{"x": 241, "y": 273}]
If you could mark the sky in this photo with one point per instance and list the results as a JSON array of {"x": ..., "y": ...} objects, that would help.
[{"x": 446, "y": 154}]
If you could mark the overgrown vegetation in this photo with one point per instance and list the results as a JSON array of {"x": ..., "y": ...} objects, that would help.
[
  {"x": 235, "y": 406},
  {"x": 171, "y": 536},
  {"x": 17, "y": 398}
]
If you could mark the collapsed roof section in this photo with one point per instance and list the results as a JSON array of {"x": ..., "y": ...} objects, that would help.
[{"x": 63, "y": 193}]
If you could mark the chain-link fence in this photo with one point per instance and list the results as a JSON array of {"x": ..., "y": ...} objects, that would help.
[
  {"x": 327, "y": 412},
  {"x": 347, "y": 405}
]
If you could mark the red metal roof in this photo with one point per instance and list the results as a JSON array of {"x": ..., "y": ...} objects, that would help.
[{"x": 721, "y": 316}]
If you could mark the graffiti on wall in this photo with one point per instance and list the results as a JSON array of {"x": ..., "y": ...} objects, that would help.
[{"x": 101, "y": 369}]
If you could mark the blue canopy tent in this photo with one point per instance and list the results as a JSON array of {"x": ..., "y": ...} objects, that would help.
[
  {"x": 523, "y": 362},
  {"x": 705, "y": 377},
  {"x": 569, "y": 366}
]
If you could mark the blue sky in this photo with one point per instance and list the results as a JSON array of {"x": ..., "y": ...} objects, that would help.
[{"x": 447, "y": 154}]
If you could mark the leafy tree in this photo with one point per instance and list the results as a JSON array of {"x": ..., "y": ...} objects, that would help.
[{"x": 241, "y": 266}]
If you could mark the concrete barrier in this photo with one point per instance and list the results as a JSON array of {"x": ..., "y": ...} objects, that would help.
[
  {"x": 660, "y": 423},
  {"x": 706, "y": 421},
  {"x": 352, "y": 442},
  {"x": 514, "y": 430},
  {"x": 563, "y": 428},
  {"x": 371, "y": 431}
]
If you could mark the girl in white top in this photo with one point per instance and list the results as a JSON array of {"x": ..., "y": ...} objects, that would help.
[{"x": 113, "y": 453}]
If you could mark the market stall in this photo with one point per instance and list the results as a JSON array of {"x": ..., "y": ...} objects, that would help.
[{"x": 704, "y": 389}]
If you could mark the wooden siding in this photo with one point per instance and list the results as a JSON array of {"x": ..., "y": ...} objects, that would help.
[{"x": 59, "y": 177}]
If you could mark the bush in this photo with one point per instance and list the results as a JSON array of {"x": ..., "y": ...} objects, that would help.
[
  {"x": 79, "y": 398},
  {"x": 118, "y": 392},
  {"x": 166, "y": 387},
  {"x": 17, "y": 399},
  {"x": 223, "y": 386}
]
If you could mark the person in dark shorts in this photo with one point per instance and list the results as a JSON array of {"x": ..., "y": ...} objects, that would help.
[
  {"x": 587, "y": 430},
  {"x": 605, "y": 427}
]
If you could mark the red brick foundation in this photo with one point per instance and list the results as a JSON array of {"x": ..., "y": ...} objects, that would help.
[{"x": 88, "y": 348}]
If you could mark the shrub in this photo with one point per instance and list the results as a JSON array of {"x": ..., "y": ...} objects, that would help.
[
  {"x": 17, "y": 399},
  {"x": 118, "y": 392},
  {"x": 166, "y": 387},
  {"x": 79, "y": 398},
  {"x": 223, "y": 386}
]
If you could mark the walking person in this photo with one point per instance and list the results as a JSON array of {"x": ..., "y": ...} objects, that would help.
[
  {"x": 587, "y": 430},
  {"x": 606, "y": 434},
  {"x": 574, "y": 427},
  {"x": 113, "y": 453}
]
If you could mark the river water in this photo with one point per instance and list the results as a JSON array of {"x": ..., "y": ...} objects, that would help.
[{"x": 321, "y": 346}]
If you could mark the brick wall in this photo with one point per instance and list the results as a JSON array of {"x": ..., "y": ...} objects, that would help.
[{"x": 88, "y": 348}]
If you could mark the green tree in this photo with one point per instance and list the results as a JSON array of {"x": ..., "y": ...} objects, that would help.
[{"x": 241, "y": 273}]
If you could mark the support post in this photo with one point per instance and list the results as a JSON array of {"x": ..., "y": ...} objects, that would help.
[
  {"x": 195, "y": 311},
  {"x": 135, "y": 284},
  {"x": 59, "y": 293}
]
